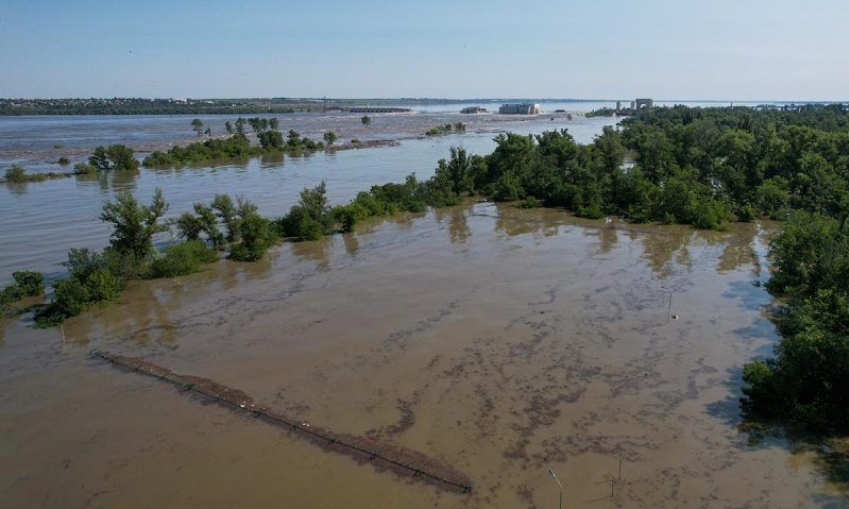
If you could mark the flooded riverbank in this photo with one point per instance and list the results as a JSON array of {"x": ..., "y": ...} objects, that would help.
[
  {"x": 503, "y": 342},
  {"x": 39, "y": 222}
]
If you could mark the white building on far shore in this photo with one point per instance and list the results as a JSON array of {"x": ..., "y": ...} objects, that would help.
[{"x": 519, "y": 109}]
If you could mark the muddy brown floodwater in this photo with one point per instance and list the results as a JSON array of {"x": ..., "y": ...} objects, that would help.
[{"x": 500, "y": 341}]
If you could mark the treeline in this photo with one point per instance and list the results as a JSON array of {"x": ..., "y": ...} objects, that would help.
[
  {"x": 674, "y": 165},
  {"x": 806, "y": 383},
  {"x": 129, "y": 106},
  {"x": 789, "y": 164},
  {"x": 238, "y": 145}
]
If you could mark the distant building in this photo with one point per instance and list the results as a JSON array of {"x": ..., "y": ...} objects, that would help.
[
  {"x": 473, "y": 110},
  {"x": 644, "y": 103},
  {"x": 519, "y": 109}
]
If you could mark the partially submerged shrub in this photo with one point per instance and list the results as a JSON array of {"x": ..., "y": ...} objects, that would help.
[{"x": 182, "y": 259}]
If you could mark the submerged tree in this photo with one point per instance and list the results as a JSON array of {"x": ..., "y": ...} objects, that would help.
[
  {"x": 197, "y": 125},
  {"x": 134, "y": 224},
  {"x": 329, "y": 138},
  {"x": 115, "y": 157}
]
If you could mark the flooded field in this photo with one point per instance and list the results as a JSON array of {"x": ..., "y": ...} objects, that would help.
[{"x": 500, "y": 341}]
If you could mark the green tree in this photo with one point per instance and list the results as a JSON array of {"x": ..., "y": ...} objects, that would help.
[
  {"x": 329, "y": 137},
  {"x": 115, "y": 157},
  {"x": 274, "y": 124},
  {"x": 16, "y": 174},
  {"x": 134, "y": 224},
  {"x": 228, "y": 126},
  {"x": 197, "y": 125},
  {"x": 366, "y": 120}
]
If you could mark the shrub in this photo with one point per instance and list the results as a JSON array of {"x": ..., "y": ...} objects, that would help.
[
  {"x": 77, "y": 293},
  {"x": 84, "y": 169},
  {"x": 530, "y": 203},
  {"x": 115, "y": 157},
  {"x": 182, "y": 259},
  {"x": 16, "y": 174},
  {"x": 64, "y": 161},
  {"x": 257, "y": 237},
  {"x": 31, "y": 283},
  {"x": 709, "y": 215}
]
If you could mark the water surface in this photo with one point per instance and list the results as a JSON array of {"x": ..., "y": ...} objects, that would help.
[{"x": 517, "y": 341}]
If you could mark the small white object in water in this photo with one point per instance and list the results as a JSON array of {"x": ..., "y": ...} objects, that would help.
[{"x": 675, "y": 317}]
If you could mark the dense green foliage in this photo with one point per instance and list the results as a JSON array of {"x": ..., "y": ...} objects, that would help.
[
  {"x": 27, "y": 284},
  {"x": 138, "y": 106},
  {"x": 247, "y": 234},
  {"x": 329, "y": 138},
  {"x": 95, "y": 278},
  {"x": 114, "y": 157},
  {"x": 235, "y": 146},
  {"x": 92, "y": 279},
  {"x": 807, "y": 382},
  {"x": 215, "y": 149},
  {"x": 182, "y": 259},
  {"x": 17, "y": 174},
  {"x": 197, "y": 125},
  {"x": 134, "y": 224}
]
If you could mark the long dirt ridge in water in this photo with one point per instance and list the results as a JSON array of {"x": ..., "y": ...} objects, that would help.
[{"x": 384, "y": 457}]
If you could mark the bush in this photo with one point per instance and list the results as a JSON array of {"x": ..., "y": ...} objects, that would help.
[
  {"x": 84, "y": 169},
  {"x": 346, "y": 215},
  {"x": 115, "y": 157},
  {"x": 257, "y": 236},
  {"x": 529, "y": 203},
  {"x": 31, "y": 283},
  {"x": 64, "y": 161},
  {"x": 10, "y": 294},
  {"x": 709, "y": 215},
  {"x": 15, "y": 174},
  {"x": 182, "y": 259},
  {"x": 77, "y": 293}
]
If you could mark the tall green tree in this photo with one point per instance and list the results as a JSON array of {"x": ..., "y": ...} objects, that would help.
[{"x": 134, "y": 224}]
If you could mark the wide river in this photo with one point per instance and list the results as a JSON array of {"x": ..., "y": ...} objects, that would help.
[{"x": 503, "y": 342}]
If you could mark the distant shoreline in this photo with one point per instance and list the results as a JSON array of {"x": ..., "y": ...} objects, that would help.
[{"x": 138, "y": 106}]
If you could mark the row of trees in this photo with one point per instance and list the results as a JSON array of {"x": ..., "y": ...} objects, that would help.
[
  {"x": 238, "y": 145},
  {"x": 230, "y": 226}
]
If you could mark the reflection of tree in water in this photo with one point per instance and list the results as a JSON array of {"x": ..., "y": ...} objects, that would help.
[
  {"x": 17, "y": 188},
  {"x": 515, "y": 226},
  {"x": 112, "y": 180},
  {"x": 660, "y": 247},
  {"x": 739, "y": 250},
  {"x": 352, "y": 244},
  {"x": 271, "y": 160},
  {"x": 607, "y": 238},
  {"x": 406, "y": 219},
  {"x": 259, "y": 269},
  {"x": 313, "y": 250},
  {"x": 458, "y": 227}
]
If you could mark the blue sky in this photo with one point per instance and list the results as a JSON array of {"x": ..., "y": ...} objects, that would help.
[{"x": 719, "y": 49}]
